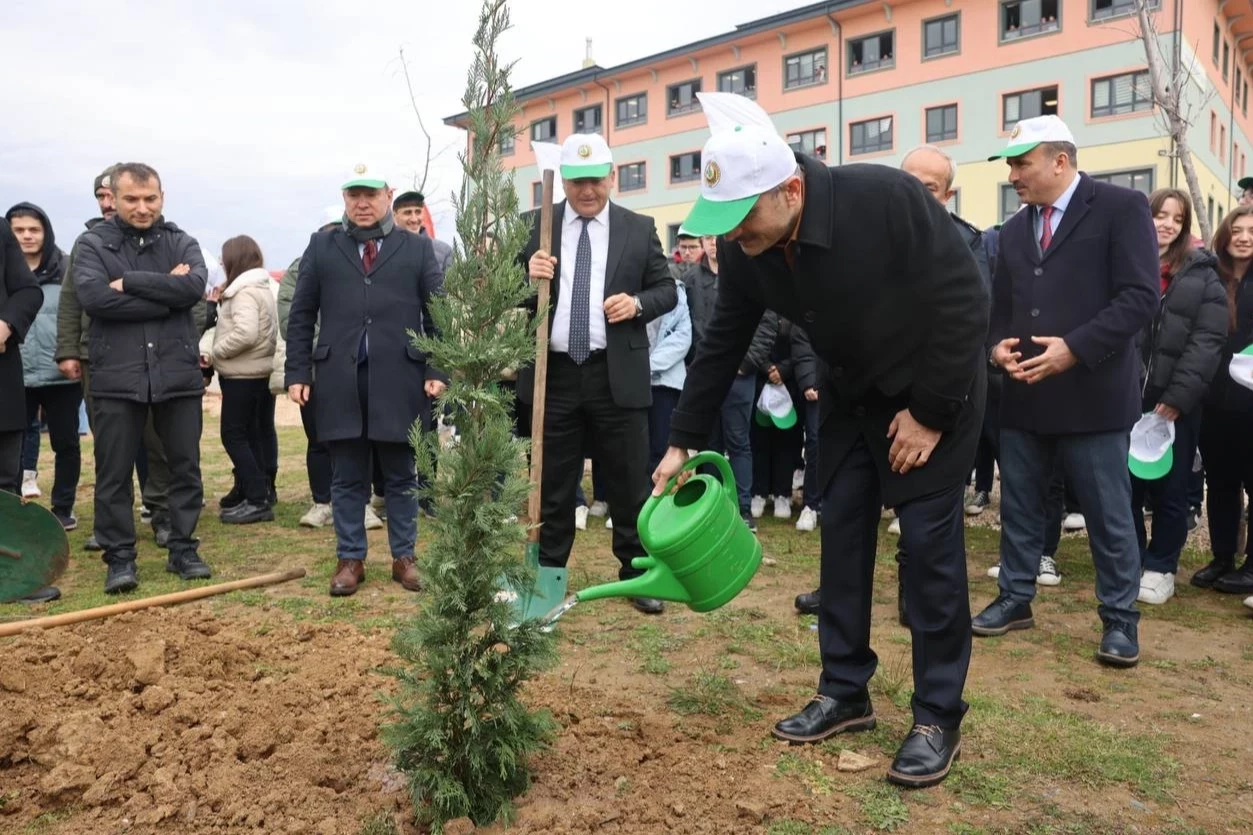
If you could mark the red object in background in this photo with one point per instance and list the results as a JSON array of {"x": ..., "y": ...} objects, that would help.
[
  {"x": 277, "y": 275},
  {"x": 427, "y": 222}
]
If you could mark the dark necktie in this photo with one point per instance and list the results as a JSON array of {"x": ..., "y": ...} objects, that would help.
[
  {"x": 580, "y": 346},
  {"x": 1046, "y": 231},
  {"x": 369, "y": 254}
]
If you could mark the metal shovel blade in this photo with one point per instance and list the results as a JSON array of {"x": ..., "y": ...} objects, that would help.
[{"x": 34, "y": 549}]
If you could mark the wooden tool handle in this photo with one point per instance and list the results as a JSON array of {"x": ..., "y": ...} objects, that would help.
[
  {"x": 539, "y": 395},
  {"x": 100, "y": 612}
]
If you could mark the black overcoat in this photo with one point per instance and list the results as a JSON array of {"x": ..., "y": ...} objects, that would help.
[{"x": 20, "y": 300}]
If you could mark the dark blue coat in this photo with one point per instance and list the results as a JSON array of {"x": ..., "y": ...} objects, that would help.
[
  {"x": 386, "y": 304},
  {"x": 1097, "y": 287}
]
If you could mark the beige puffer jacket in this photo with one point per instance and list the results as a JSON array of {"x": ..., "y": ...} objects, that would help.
[{"x": 247, "y": 330}]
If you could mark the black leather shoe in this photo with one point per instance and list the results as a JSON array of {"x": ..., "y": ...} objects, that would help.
[
  {"x": 121, "y": 577},
  {"x": 45, "y": 595},
  {"x": 1002, "y": 615},
  {"x": 925, "y": 756},
  {"x": 825, "y": 717},
  {"x": 1237, "y": 582},
  {"x": 1119, "y": 647},
  {"x": 648, "y": 605},
  {"x": 188, "y": 566},
  {"x": 1204, "y": 578},
  {"x": 247, "y": 513},
  {"x": 807, "y": 603}
]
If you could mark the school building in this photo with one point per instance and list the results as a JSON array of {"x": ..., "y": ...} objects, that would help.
[{"x": 866, "y": 80}]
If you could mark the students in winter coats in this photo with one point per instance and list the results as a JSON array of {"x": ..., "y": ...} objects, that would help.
[
  {"x": 669, "y": 339},
  {"x": 243, "y": 356},
  {"x": 1226, "y": 438},
  {"x": 775, "y": 450},
  {"x": 1180, "y": 350},
  {"x": 46, "y": 387}
]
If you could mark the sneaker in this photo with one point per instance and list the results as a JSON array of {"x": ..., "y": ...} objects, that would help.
[
  {"x": 808, "y": 520},
  {"x": 378, "y": 505},
  {"x": 580, "y": 517},
  {"x": 188, "y": 566},
  {"x": 750, "y": 521},
  {"x": 895, "y": 527},
  {"x": 782, "y": 507},
  {"x": 121, "y": 577},
  {"x": 145, "y": 514},
  {"x": 30, "y": 487},
  {"x": 757, "y": 507},
  {"x": 1156, "y": 588},
  {"x": 372, "y": 520},
  {"x": 798, "y": 479},
  {"x": 978, "y": 503},
  {"x": 995, "y": 571},
  {"x": 598, "y": 509},
  {"x": 66, "y": 518},
  {"x": 608, "y": 523},
  {"x": 1248, "y": 601},
  {"x": 1194, "y": 518},
  {"x": 1048, "y": 575},
  {"x": 1074, "y": 522},
  {"x": 318, "y": 516}
]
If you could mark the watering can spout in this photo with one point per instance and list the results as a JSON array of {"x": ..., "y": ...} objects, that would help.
[{"x": 657, "y": 581}]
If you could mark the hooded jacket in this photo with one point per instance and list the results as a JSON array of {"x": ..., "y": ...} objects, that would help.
[
  {"x": 246, "y": 334},
  {"x": 39, "y": 365}
]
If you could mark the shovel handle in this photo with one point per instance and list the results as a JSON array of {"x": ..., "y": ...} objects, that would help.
[
  {"x": 540, "y": 394},
  {"x": 10, "y": 553},
  {"x": 706, "y": 457}
]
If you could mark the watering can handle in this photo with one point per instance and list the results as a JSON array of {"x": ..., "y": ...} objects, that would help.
[{"x": 706, "y": 457}]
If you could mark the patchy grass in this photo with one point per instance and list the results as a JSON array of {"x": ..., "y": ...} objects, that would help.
[
  {"x": 379, "y": 823},
  {"x": 710, "y": 694},
  {"x": 882, "y": 808},
  {"x": 651, "y": 642},
  {"x": 807, "y": 771}
]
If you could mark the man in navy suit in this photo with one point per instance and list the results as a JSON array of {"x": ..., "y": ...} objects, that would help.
[{"x": 1076, "y": 279}]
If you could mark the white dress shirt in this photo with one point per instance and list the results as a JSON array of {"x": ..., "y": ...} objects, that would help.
[{"x": 598, "y": 233}]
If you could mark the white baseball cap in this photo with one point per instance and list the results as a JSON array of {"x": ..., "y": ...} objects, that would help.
[
  {"x": 1150, "y": 454},
  {"x": 585, "y": 156},
  {"x": 1241, "y": 368},
  {"x": 774, "y": 405},
  {"x": 1031, "y": 132},
  {"x": 743, "y": 159},
  {"x": 365, "y": 176}
]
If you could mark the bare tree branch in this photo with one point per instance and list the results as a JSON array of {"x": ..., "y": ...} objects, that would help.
[{"x": 420, "y": 184}]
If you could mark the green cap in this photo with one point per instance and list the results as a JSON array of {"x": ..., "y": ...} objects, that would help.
[{"x": 363, "y": 176}]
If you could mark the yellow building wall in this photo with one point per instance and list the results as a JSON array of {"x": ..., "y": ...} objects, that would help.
[
  {"x": 1212, "y": 185},
  {"x": 665, "y": 216}
]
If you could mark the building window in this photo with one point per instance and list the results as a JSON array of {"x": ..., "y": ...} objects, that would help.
[
  {"x": 870, "y": 136},
  {"x": 685, "y": 167},
  {"x": 873, "y": 52},
  {"x": 954, "y": 204},
  {"x": 1141, "y": 179},
  {"x": 1117, "y": 94},
  {"x": 812, "y": 142},
  {"x": 1209, "y": 204},
  {"x": 1027, "y": 105},
  {"x": 672, "y": 236},
  {"x": 589, "y": 119},
  {"x": 941, "y": 123},
  {"x": 631, "y": 110},
  {"x": 1222, "y": 143},
  {"x": 742, "y": 81},
  {"x": 1226, "y": 57},
  {"x": 1218, "y": 36},
  {"x": 507, "y": 143},
  {"x": 1244, "y": 97},
  {"x": 1022, "y": 18},
  {"x": 681, "y": 98},
  {"x": 941, "y": 36},
  {"x": 1213, "y": 131},
  {"x": 631, "y": 177},
  {"x": 537, "y": 194},
  {"x": 544, "y": 130},
  {"x": 805, "y": 69},
  {"x": 1009, "y": 202},
  {"x": 1105, "y": 9}
]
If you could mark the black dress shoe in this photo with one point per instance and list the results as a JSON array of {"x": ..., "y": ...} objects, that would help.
[
  {"x": 825, "y": 717},
  {"x": 45, "y": 595},
  {"x": 247, "y": 513},
  {"x": 1204, "y": 578},
  {"x": 1002, "y": 615},
  {"x": 648, "y": 605},
  {"x": 807, "y": 603},
  {"x": 1237, "y": 582},
  {"x": 925, "y": 756},
  {"x": 1119, "y": 647}
]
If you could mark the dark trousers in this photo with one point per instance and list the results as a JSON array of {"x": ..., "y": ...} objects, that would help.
[
  {"x": 30, "y": 441},
  {"x": 1054, "y": 509},
  {"x": 659, "y": 414},
  {"x": 774, "y": 459},
  {"x": 1169, "y": 498},
  {"x": 119, "y": 426},
  {"x": 935, "y": 588},
  {"x": 248, "y": 434},
  {"x": 11, "y": 461},
  {"x": 1227, "y": 450},
  {"x": 1095, "y": 467},
  {"x": 989, "y": 442},
  {"x": 731, "y": 436},
  {"x": 379, "y": 482},
  {"x": 150, "y": 465},
  {"x": 351, "y": 476},
  {"x": 581, "y": 411},
  {"x": 317, "y": 457},
  {"x": 813, "y": 495},
  {"x": 60, "y": 408}
]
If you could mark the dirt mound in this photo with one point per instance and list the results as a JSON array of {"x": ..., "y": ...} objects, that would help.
[{"x": 178, "y": 720}]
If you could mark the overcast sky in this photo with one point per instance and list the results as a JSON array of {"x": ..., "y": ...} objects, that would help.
[{"x": 254, "y": 111}]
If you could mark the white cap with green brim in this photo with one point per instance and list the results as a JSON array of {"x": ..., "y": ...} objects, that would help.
[
  {"x": 1031, "y": 132},
  {"x": 1151, "y": 453},
  {"x": 585, "y": 156},
  {"x": 744, "y": 158},
  {"x": 365, "y": 176},
  {"x": 1241, "y": 368},
  {"x": 774, "y": 405}
]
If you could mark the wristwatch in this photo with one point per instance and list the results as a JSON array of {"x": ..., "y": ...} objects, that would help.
[
  {"x": 639, "y": 306},
  {"x": 992, "y": 357}
]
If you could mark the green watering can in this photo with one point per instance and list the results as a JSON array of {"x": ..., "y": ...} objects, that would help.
[
  {"x": 34, "y": 550},
  {"x": 700, "y": 551}
]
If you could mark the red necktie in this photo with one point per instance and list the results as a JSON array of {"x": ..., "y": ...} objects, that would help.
[
  {"x": 1046, "y": 234},
  {"x": 368, "y": 255}
]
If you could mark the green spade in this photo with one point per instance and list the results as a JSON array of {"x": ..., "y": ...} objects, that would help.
[{"x": 34, "y": 549}]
